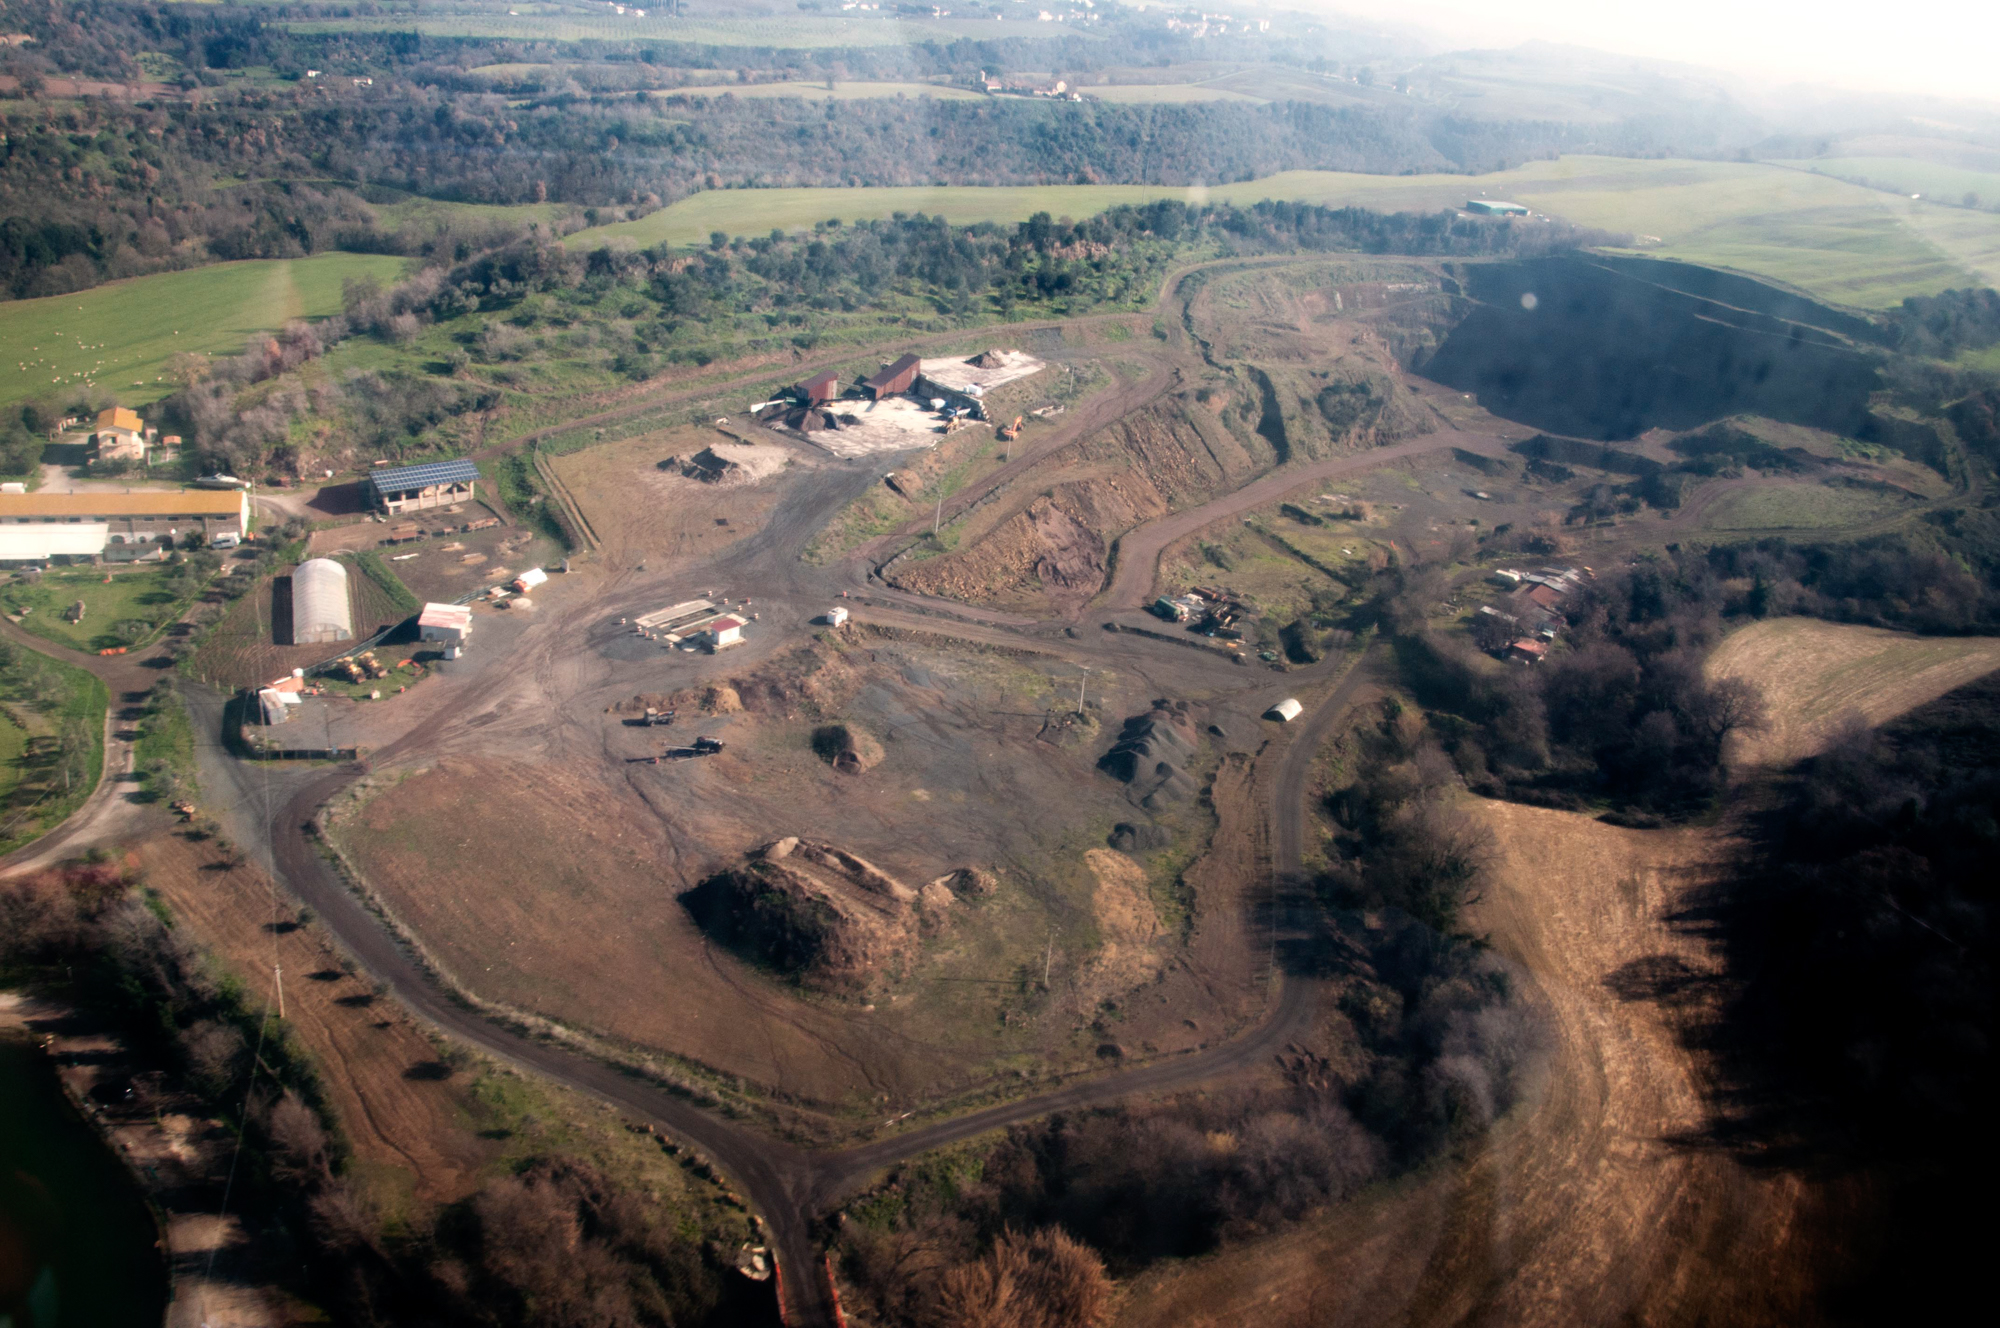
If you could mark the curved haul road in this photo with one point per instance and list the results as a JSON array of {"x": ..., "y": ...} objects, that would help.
[{"x": 787, "y": 1185}]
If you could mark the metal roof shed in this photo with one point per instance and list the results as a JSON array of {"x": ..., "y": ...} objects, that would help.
[
  {"x": 320, "y": 610},
  {"x": 894, "y": 378},
  {"x": 1286, "y": 710}
]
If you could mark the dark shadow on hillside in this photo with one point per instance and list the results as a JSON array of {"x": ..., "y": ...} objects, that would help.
[{"x": 1582, "y": 348}]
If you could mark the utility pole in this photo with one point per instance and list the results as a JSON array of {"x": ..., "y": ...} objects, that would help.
[
  {"x": 1049, "y": 960},
  {"x": 1085, "y": 677},
  {"x": 278, "y": 971},
  {"x": 938, "y": 515}
]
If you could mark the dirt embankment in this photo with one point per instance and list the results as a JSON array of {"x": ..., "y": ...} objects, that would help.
[
  {"x": 1591, "y": 1204},
  {"x": 1050, "y": 551}
]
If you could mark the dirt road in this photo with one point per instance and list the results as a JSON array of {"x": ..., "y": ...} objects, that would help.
[{"x": 1137, "y": 556}]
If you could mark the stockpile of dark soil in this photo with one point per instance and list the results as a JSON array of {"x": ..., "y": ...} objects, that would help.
[
  {"x": 821, "y": 915},
  {"x": 1152, "y": 754},
  {"x": 1577, "y": 347},
  {"x": 847, "y": 748}
]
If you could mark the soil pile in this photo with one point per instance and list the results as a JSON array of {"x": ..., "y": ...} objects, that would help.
[
  {"x": 817, "y": 913},
  {"x": 729, "y": 463},
  {"x": 1152, "y": 753},
  {"x": 846, "y": 748}
]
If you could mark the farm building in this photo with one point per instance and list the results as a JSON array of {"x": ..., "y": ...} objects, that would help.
[
  {"x": 450, "y": 623},
  {"x": 895, "y": 378},
  {"x": 414, "y": 488},
  {"x": 320, "y": 610},
  {"x": 37, "y": 526},
  {"x": 1285, "y": 711},
  {"x": 1493, "y": 207},
  {"x": 723, "y": 633},
  {"x": 1527, "y": 651},
  {"x": 121, "y": 435},
  {"x": 820, "y": 387}
]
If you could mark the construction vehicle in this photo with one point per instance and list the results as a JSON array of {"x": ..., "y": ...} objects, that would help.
[
  {"x": 655, "y": 718},
  {"x": 1009, "y": 432},
  {"x": 706, "y": 746}
]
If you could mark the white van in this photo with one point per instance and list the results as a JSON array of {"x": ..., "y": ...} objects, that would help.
[{"x": 228, "y": 539}]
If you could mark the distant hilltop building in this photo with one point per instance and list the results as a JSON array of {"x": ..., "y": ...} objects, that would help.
[{"x": 1493, "y": 207}]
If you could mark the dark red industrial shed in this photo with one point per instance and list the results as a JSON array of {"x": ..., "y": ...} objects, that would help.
[
  {"x": 898, "y": 377},
  {"x": 820, "y": 387}
]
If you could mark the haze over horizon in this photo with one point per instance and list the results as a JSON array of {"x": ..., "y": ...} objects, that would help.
[{"x": 1935, "y": 47}]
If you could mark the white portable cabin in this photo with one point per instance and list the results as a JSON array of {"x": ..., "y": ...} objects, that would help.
[
  {"x": 835, "y": 616},
  {"x": 450, "y": 623}
]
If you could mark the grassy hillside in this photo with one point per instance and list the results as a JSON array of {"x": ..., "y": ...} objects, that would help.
[
  {"x": 1840, "y": 241},
  {"x": 121, "y": 336}
]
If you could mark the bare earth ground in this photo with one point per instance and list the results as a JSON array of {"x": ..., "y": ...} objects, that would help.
[
  {"x": 1583, "y": 1207},
  {"x": 376, "y": 1064},
  {"x": 1819, "y": 677},
  {"x": 642, "y": 511},
  {"x": 607, "y": 841}
]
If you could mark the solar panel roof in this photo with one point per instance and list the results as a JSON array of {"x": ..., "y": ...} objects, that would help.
[{"x": 422, "y": 477}]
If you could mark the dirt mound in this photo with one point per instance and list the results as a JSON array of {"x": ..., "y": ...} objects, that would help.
[
  {"x": 721, "y": 700},
  {"x": 1152, "y": 753},
  {"x": 846, "y": 748},
  {"x": 819, "y": 914},
  {"x": 729, "y": 463}
]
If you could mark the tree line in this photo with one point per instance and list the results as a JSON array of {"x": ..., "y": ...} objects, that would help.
[
  {"x": 552, "y": 1240},
  {"x": 635, "y": 312}
]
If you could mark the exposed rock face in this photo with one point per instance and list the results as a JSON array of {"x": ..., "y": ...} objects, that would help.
[
  {"x": 1151, "y": 754},
  {"x": 818, "y": 913}
]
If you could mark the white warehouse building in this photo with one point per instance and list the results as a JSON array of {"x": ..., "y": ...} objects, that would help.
[{"x": 320, "y": 609}]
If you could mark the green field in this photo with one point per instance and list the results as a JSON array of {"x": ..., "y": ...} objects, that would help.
[
  {"x": 50, "y": 762},
  {"x": 1800, "y": 507},
  {"x": 138, "y": 596},
  {"x": 778, "y": 32},
  {"x": 121, "y": 336},
  {"x": 1908, "y": 175},
  {"x": 1839, "y": 241}
]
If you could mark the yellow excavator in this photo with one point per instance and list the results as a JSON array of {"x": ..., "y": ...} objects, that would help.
[{"x": 1009, "y": 432}]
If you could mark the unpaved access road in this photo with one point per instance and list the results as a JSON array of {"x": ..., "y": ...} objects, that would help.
[{"x": 1137, "y": 554}]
